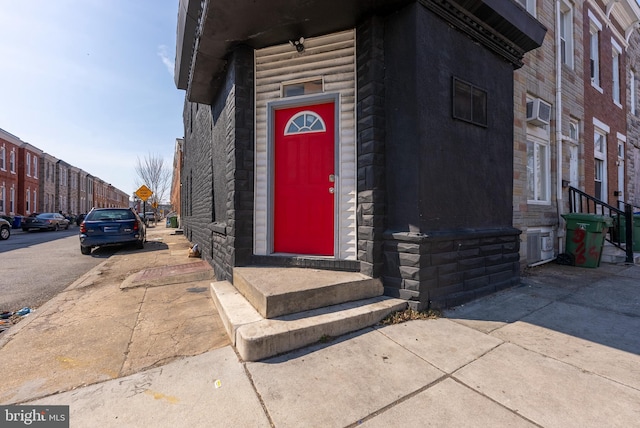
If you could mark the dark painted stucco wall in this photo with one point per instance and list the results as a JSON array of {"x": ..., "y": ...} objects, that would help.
[{"x": 443, "y": 173}]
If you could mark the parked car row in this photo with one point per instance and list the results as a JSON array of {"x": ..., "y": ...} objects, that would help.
[
  {"x": 45, "y": 221},
  {"x": 5, "y": 229},
  {"x": 100, "y": 227}
]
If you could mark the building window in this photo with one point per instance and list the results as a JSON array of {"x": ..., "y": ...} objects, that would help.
[
  {"x": 3, "y": 195},
  {"x": 469, "y": 103},
  {"x": 529, "y": 5},
  {"x": 594, "y": 50},
  {"x": 304, "y": 87},
  {"x": 632, "y": 90},
  {"x": 304, "y": 122},
  {"x": 594, "y": 59},
  {"x": 28, "y": 201},
  {"x": 538, "y": 170},
  {"x": 28, "y": 163},
  {"x": 12, "y": 161},
  {"x": 566, "y": 34},
  {"x": 615, "y": 71},
  {"x": 600, "y": 150},
  {"x": 12, "y": 198},
  {"x": 574, "y": 131},
  {"x": 3, "y": 159},
  {"x": 35, "y": 167},
  {"x": 35, "y": 198}
]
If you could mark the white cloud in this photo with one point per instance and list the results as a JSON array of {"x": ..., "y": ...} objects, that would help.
[{"x": 163, "y": 53}]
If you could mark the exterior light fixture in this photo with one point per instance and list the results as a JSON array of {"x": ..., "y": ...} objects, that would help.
[{"x": 298, "y": 44}]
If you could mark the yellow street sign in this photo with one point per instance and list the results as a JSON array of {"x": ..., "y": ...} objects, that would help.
[
  {"x": 154, "y": 205},
  {"x": 144, "y": 192}
]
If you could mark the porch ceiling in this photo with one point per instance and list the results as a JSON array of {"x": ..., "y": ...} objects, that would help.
[
  {"x": 205, "y": 37},
  {"x": 228, "y": 23}
]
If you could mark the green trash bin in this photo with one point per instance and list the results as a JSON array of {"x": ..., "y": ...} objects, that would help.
[
  {"x": 585, "y": 237},
  {"x": 173, "y": 221}
]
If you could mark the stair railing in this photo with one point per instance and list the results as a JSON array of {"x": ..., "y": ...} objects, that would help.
[{"x": 581, "y": 202}]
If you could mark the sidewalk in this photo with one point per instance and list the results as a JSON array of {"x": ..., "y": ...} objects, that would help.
[{"x": 560, "y": 350}]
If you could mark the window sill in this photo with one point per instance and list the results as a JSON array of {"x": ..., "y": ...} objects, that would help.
[
  {"x": 618, "y": 104},
  {"x": 597, "y": 88},
  {"x": 541, "y": 203}
]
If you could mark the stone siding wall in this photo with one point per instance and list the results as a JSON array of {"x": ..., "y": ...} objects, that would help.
[
  {"x": 217, "y": 174},
  {"x": 371, "y": 146}
]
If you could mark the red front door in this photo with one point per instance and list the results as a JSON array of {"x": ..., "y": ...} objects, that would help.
[{"x": 304, "y": 180}]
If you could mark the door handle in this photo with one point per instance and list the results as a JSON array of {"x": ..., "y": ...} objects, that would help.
[{"x": 332, "y": 190}]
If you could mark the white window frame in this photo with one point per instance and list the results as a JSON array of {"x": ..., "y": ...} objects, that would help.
[
  {"x": 600, "y": 156},
  {"x": 35, "y": 167},
  {"x": 594, "y": 51},
  {"x": 529, "y": 5},
  {"x": 3, "y": 196},
  {"x": 35, "y": 201},
  {"x": 632, "y": 91},
  {"x": 12, "y": 198},
  {"x": 615, "y": 71},
  {"x": 3, "y": 158},
  {"x": 566, "y": 34},
  {"x": 538, "y": 170},
  {"x": 12, "y": 161},
  {"x": 28, "y": 162},
  {"x": 28, "y": 201}
]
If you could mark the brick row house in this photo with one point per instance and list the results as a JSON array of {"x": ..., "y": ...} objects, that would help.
[
  {"x": 32, "y": 180},
  {"x": 575, "y": 117}
]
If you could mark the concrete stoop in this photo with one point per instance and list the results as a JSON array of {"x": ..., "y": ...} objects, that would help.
[
  {"x": 614, "y": 255},
  {"x": 304, "y": 312}
]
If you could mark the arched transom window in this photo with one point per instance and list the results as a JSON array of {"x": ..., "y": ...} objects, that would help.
[{"x": 304, "y": 121}]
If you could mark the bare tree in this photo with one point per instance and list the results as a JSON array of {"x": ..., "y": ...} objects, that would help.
[{"x": 153, "y": 173}]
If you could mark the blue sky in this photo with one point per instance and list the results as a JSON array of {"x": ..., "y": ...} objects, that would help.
[{"x": 91, "y": 81}]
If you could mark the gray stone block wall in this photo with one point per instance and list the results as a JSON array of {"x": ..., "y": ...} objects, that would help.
[
  {"x": 217, "y": 204},
  {"x": 371, "y": 202},
  {"x": 444, "y": 270}
]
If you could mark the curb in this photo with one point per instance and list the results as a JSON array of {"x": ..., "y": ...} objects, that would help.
[{"x": 15, "y": 329}]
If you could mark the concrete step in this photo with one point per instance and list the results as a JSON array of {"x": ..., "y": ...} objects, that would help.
[
  {"x": 257, "y": 338},
  {"x": 614, "y": 255},
  {"x": 277, "y": 291}
]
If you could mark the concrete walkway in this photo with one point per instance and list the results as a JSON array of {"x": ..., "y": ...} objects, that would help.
[{"x": 561, "y": 350}]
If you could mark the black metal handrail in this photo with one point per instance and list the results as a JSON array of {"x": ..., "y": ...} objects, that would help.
[{"x": 581, "y": 202}]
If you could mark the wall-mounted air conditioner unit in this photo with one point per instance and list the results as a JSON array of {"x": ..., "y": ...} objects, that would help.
[
  {"x": 538, "y": 112},
  {"x": 540, "y": 245}
]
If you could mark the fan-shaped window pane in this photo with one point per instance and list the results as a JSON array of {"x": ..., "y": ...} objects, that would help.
[{"x": 305, "y": 121}]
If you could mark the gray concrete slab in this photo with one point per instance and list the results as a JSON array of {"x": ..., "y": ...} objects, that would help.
[
  {"x": 442, "y": 342},
  {"x": 270, "y": 337},
  {"x": 594, "y": 340},
  {"x": 612, "y": 293},
  {"x": 493, "y": 312},
  {"x": 209, "y": 390},
  {"x": 448, "y": 404},
  {"x": 339, "y": 383},
  {"x": 278, "y": 291},
  {"x": 549, "y": 392}
]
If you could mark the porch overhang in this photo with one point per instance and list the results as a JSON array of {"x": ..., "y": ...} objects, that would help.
[{"x": 209, "y": 30}]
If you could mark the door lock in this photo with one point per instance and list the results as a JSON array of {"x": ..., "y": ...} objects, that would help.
[{"x": 332, "y": 178}]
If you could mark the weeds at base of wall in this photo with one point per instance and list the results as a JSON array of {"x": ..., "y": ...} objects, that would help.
[{"x": 410, "y": 314}]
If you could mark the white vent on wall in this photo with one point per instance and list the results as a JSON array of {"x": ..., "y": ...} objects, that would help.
[{"x": 538, "y": 112}]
